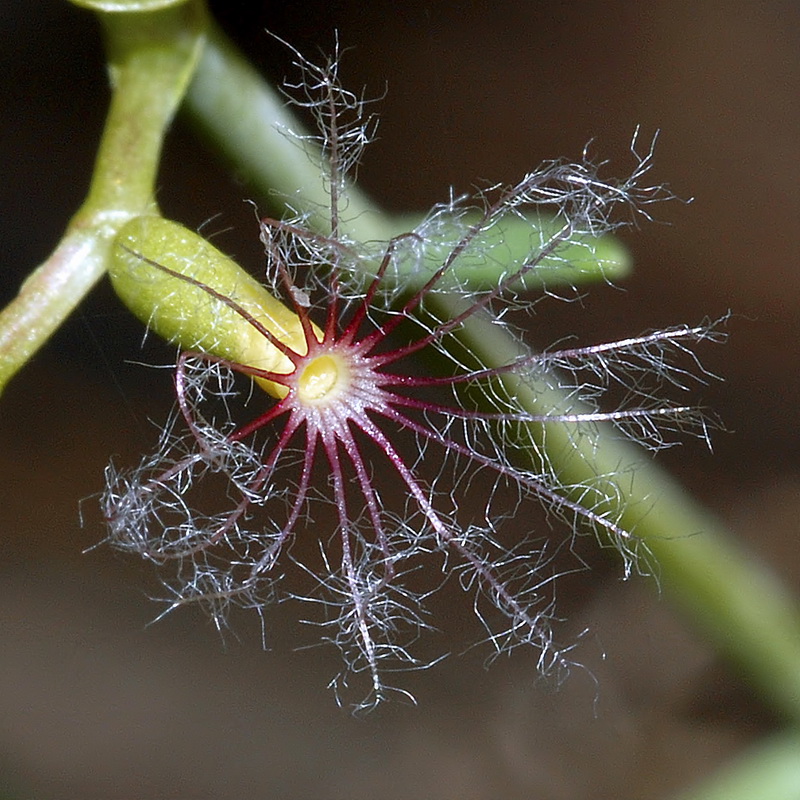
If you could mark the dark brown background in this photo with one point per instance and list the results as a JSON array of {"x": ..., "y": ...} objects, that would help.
[{"x": 95, "y": 705}]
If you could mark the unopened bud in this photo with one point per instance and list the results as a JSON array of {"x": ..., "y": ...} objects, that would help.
[{"x": 193, "y": 295}]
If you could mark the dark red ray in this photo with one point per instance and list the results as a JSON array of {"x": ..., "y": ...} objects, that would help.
[
  {"x": 536, "y": 486},
  {"x": 502, "y": 416},
  {"x": 276, "y": 411},
  {"x": 255, "y": 485},
  {"x": 499, "y": 588},
  {"x": 359, "y": 604},
  {"x": 475, "y": 304},
  {"x": 351, "y": 448},
  {"x": 349, "y": 334},
  {"x": 275, "y": 548}
]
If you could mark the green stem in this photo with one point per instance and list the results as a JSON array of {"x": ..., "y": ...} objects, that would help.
[
  {"x": 770, "y": 771},
  {"x": 151, "y": 56},
  {"x": 736, "y": 600},
  {"x": 248, "y": 122}
]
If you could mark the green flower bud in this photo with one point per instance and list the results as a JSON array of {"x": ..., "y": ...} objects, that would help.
[{"x": 146, "y": 255}]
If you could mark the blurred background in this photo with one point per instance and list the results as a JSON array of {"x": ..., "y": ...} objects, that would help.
[{"x": 94, "y": 704}]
